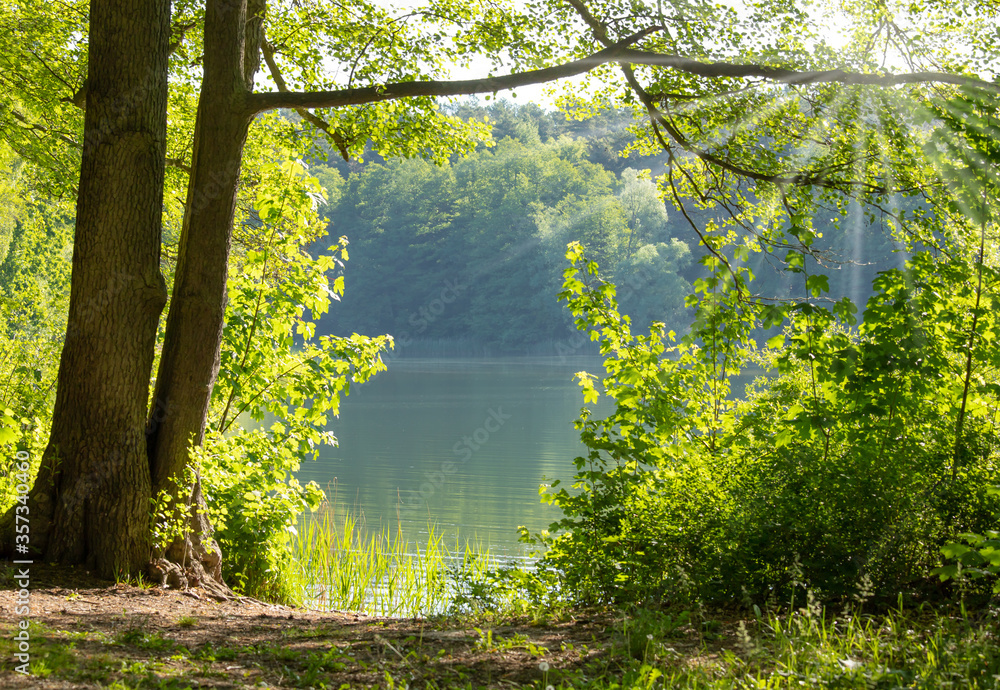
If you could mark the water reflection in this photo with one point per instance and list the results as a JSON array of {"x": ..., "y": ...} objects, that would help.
[{"x": 460, "y": 443}]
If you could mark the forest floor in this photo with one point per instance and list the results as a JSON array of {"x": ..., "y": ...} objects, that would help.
[{"x": 88, "y": 633}]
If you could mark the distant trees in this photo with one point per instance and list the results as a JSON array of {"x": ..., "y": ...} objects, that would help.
[
  {"x": 489, "y": 232},
  {"x": 495, "y": 225}
]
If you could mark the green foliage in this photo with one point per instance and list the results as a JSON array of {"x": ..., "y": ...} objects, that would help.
[
  {"x": 977, "y": 558},
  {"x": 808, "y": 647},
  {"x": 279, "y": 382},
  {"x": 967, "y": 150},
  {"x": 497, "y": 223},
  {"x": 468, "y": 250},
  {"x": 35, "y": 250},
  {"x": 491, "y": 591},
  {"x": 613, "y": 513},
  {"x": 254, "y": 505},
  {"x": 43, "y": 63},
  {"x": 834, "y": 473}
]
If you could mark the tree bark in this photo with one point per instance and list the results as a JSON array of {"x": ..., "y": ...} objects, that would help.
[
  {"x": 189, "y": 363},
  {"x": 90, "y": 503}
]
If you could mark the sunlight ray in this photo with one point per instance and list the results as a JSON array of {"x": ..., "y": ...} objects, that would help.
[{"x": 857, "y": 228}]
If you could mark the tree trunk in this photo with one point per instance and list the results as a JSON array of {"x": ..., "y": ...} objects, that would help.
[
  {"x": 189, "y": 363},
  {"x": 90, "y": 503}
]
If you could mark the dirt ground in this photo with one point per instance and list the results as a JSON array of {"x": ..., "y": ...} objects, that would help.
[{"x": 87, "y": 633}]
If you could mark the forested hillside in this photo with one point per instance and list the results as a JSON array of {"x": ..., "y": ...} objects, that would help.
[{"x": 467, "y": 256}]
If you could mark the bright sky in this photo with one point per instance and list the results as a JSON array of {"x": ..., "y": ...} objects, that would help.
[{"x": 539, "y": 93}]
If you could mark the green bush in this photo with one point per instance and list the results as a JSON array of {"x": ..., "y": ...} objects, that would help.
[
  {"x": 843, "y": 471},
  {"x": 255, "y": 504},
  {"x": 279, "y": 383}
]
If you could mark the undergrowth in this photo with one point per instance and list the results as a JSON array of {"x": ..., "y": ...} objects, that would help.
[{"x": 807, "y": 648}]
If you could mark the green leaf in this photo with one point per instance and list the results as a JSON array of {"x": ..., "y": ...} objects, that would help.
[
  {"x": 946, "y": 572},
  {"x": 8, "y": 435},
  {"x": 795, "y": 262},
  {"x": 817, "y": 284}
]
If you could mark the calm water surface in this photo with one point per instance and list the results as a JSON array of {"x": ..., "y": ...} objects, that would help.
[{"x": 463, "y": 444}]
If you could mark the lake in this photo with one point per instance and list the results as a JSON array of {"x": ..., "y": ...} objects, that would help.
[{"x": 462, "y": 444}]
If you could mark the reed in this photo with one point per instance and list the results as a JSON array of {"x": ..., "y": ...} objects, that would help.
[{"x": 341, "y": 564}]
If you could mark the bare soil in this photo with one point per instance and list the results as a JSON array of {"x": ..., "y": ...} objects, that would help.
[{"x": 88, "y": 633}]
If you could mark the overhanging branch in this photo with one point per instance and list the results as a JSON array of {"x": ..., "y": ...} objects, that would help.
[
  {"x": 618, "y": 53},
  {"x": 35, "y": 127},
  {"x": 659, "y": 119},
  {"x": 780, "y": 75},
  {"x": 260, "y": 102}
]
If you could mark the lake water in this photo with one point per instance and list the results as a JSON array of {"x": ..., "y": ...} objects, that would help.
[{"x": 462, "y": 444}]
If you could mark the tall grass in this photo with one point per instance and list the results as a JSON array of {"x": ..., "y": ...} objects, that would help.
[
  {"x": 807, "y": 648},
  {"x": 342, "y": 565}
]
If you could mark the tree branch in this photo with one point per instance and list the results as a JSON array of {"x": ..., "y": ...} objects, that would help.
[
  {"x": 268, "y": 51},
  {"x": 618, "y": 52},
  {"x": 260, "y": 102},
  {"x": 34, "y": 126},
  {"x": 597, "y": 26},
  {"x": 775, "y": 74},
  {"x": 51, "y": 71},
  {"x": 181, "y": 30},
  {"x": 712, "y": 69},
  {"x": 178, "y": 163},
  {"x": 781, "y": 75}
]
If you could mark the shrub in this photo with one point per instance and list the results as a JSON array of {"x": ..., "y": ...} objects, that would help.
[{"x": 846, "y": 468}]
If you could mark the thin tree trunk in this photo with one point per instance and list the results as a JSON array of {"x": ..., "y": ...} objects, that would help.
[
  {"x": 189, "y": 363},
  {"x": 90, "y": 503},
  {"x": 973, "y": 333}
]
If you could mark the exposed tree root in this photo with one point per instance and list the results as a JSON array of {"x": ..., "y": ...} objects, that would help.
[{"x": 194, "y": 560}]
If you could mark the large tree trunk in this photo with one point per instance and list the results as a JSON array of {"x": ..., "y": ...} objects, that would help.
[
  {"x": 90, "y": 503},
  {"x": 190, "y": 360}
]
